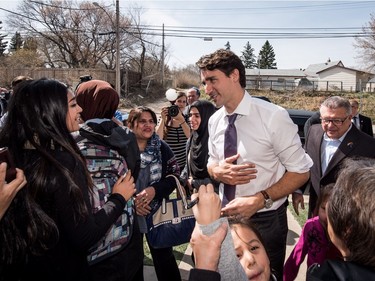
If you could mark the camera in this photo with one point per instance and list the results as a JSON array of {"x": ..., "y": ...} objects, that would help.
[
  {"x": 173, "y": 110},
  {"x": 85, "y": 78}
]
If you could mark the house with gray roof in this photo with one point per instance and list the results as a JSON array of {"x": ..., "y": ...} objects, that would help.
[
  {"x": 327, "y": 76},
  {"x": 333, "y": 75},
  {"x": 274, "y": 79}
]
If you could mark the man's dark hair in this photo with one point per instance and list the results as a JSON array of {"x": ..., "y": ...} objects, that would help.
[{"x": 225, "y": 61}]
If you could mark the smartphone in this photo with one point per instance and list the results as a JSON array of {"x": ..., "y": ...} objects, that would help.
[{"x": 11, "y": 168}]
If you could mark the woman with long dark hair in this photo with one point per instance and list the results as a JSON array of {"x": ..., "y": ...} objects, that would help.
[{"x": 42, "y": 115}]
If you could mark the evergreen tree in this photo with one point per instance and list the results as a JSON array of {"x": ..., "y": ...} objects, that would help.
[
  {"x": 248, "y": 57},
  {"x": 3, "y": 44},
  {"x": 16, "y": 42},
  {"x": 267, "y": 57},
  {"x": 227, "y": 46}
]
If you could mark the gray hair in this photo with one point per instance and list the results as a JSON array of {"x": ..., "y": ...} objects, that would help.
[{"x": 337, "y": 102}]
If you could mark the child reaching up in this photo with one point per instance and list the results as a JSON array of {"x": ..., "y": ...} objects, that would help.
[{"x": 314, "y": 240}]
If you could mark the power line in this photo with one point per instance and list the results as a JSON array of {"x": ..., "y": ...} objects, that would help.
[
  {"x": 243, "y": 33},
  {"x": 308, "y": 7}
]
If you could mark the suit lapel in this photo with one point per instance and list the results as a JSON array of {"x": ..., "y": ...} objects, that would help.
[
  {"x": 347, "y": 145},
  {"x": 316, "y": 148}
]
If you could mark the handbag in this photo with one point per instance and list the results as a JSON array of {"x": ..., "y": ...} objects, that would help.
[{"x": 170, "y": 222}]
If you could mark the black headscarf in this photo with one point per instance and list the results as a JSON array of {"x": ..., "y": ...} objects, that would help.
[{"x": 198, "y": 142}]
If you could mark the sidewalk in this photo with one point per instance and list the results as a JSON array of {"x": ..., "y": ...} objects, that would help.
[{"x": 186, "y": 263}]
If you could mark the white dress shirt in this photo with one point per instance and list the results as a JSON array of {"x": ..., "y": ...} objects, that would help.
[
  {"x": 267, "y": 137},
  {"x": 328, "y": 149}
]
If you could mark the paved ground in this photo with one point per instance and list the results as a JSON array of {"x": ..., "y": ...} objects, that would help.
[{"x": 186, "y": 263}]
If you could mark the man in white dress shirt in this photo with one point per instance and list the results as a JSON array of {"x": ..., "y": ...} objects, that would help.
[{"x": 270, "y": 163}]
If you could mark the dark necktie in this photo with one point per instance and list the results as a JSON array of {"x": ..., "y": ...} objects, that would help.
[
  {"x": 355, "y": 121},
  {"x": 230, "y": 149}
]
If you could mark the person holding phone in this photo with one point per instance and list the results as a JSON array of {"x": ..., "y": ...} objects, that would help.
[
  {"x": 9, "y": 190},
  {"x": 42, "y": 115}
]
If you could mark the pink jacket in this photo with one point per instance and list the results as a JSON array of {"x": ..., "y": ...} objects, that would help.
[{"x": 314, "y": 243}]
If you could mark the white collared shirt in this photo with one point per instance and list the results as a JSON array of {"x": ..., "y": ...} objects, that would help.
[
  {"x": 267, "y": 137},
  {"x": 328, "y": 149}
]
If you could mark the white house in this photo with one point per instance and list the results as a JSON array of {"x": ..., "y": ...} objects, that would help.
[
  {"x": 328, "y": 76},
  {"x": 275, "y": 79},
  {"x": 335, "y": 76}
]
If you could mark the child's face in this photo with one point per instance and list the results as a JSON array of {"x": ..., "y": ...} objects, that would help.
[
  {"x": 323, "y": 214},
  {"x": 251, "y": 253}
]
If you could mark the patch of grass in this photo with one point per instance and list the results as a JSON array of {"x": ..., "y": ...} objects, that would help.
[
  {"x": 302, "y": 217},
  {"x": 178, "y": 252}
]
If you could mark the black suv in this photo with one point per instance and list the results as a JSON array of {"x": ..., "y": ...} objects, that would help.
[{"x": 299, "y": 117}]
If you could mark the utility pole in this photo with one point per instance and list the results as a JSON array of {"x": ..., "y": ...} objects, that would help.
[
  {"x": 162, "y": 59},
  {"x": 118, "y": 71},
  {"x": 117, "y": 32}
]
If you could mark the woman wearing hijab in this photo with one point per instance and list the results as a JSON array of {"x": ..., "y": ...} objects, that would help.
[
  {"x": 111, "y": 151},
  {"x": 195, "y": 173}
]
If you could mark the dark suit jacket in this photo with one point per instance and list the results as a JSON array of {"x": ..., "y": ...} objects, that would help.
[
  {"x": 365, "y": 124},
  {"x": 355, "y": 143}
]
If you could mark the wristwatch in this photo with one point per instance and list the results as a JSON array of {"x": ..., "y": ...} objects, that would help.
[{"x": 267, "y": 200}]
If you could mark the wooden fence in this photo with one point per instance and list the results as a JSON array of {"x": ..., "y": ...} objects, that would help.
[
  {"x": 70, "y": 76},
  {"x": 290, "y": 85}
]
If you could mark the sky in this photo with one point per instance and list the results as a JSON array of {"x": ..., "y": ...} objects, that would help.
[{"x": 187, "y": 23}]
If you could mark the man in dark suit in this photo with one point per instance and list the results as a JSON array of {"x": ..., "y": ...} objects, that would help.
[
  {"x": 314, "y": 119},
  {"x": 362, "y": 122},
  {"x": 329, "y": 143}
]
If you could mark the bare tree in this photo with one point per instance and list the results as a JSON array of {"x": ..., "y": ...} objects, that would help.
[
  {"x": 73, "y": 34},
  {"x": 148, "y": 60},
  {"x": 366, "y": 45}
]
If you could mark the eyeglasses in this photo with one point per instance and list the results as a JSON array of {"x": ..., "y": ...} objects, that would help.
[{"x": 337, "y": 122}]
